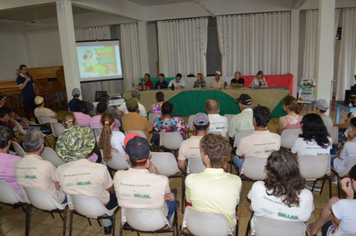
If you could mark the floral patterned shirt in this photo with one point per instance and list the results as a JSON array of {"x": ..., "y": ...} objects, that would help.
[{"x": 170, "y": 125}]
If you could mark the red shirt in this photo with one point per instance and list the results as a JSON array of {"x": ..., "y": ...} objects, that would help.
[{"x": 149, "y": 84}]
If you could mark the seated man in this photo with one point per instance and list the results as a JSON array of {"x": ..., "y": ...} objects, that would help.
[
  {"x": 218, "y": 123},
  {"x": 237, "y": 82},
  {"x": 161, "y": 83},
  {"x": 148, "y": 83},
  {"x": 178, "y": 82},
  {"x": 122, "y": 110},
  {"x": 81, "y": 176},
  {"x": 41, "y": 110},
  {"x": 259, "y": 144},
  {"x": 82, "y": 118},
  {"x": 105, "y": 98},
  {"x": 95, "y": 120},
  {"x": 76, "y": 95},
  {"x": 7, "y": 161},
  {"x": 33, "y": 171},
  {"x": 321, "y": 106},
  {"x": 190, "y": 147},
  {"x": 214, "y": 190},
  {"x": 217, "y": 83},
  {"x": 141, "y": 186}
]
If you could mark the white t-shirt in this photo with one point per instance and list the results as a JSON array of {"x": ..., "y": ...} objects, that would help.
[
  {"x": 345, "y": 210},
  {"x": 270, "y": 206},
  {"x": 347, "y": 154},
  {"x": 140, "y": 107},
  {"x": 190, "y": 148},
  {"x": 306, "y": 148},
  {"x": 218, "y": 123},
  {"x": 327, "y": 121},
  {"x": 117, "y": 141},
  {"x": 173, "y": 81}
]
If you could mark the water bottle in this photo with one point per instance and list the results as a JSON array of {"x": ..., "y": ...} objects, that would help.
[
  {"x": 225, "y": 85},
  {"x": 173, "y": 86},
  {"x": 260, "y": 84}
]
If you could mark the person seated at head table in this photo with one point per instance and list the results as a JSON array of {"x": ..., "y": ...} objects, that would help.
[
  {"x": 199, "y": 83},
  {"x": 259, "y": 79},
  {"x": 217, "y": 83},
  {"x": 292, "y": 119},
  {"x": 147, "y": 81},
  {"x": 161, "y": 83},
  {"x": 156, "y": 108},
  {"x": 178, "y": 82},
  {"x": 237, "y": 82}
]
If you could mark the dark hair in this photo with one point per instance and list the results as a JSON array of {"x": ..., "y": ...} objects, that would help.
[
  {"x": 160, "y": 97},
  {"x": 217, "y": 148},
  {"x": 101, "y": 107},
  {"x": 22, "y": 66},
  {"x": 5, "y": 136},
  {"x": 353, "y": 121},
  {"x": 352, "y": 175},
  {"x": 283, "y": 178},
  {"x": 167, "y": 108},
  {"x": 291, "y": 103},
  {"x": 4, "y": 111},
  {"x": 133, "y": 109},
  {"x": 105, "y": 137},
  {"x": 161, "y": 74},
  {"x": 79, "y": 106},
  {"x": 260, "y": 73},
  {"x": 262, "y": 116},
  {"x": 313, "y": 129},
  {"x": 104, "y": 97},
  {"x": 179, "y": 75},
  {"x": 201, "y": 127},
  {"x": 149, "y": 75}
]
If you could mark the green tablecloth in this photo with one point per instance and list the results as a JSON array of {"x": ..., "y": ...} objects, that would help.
[{"x": 191, "y": 101}]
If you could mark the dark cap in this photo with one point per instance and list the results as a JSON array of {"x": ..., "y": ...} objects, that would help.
[
  {"x": 131, "y": 103},
  {"x": 244, "y": 99},
  {"x": 136, "y": 147},
  {"x": 201, "y": 119}
]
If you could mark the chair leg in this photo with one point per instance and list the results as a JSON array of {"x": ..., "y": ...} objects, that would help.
[
  {"x": 28, "y": 220},
  {"x": 183, "y": 194},
  {"x": 53, "y": 215},
  {"x": 237, "y": 228},
  {"x": 113, "y": 224},
  {"x": 330, "y": 193},
  {"x": 64, "y": 221},
  {"x": 338, "y": 186},
  {"x": 70, "y": 222},
  {"x": 313, "y": 186},
  {"x": 322, "y": 186}
]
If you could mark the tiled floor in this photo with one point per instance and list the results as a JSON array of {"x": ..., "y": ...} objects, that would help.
[{"x": 12, "y": 221}]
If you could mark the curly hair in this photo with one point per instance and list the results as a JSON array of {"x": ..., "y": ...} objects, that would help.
[
  {"x": 283, "y": 178},
  {"x": 68, "y": 120},
  {"x": 107, "y": 119},
  {"x": 291, "y": 104},
  {"x": 313, "y": 129},
  {"x": 217, "y": 148}
]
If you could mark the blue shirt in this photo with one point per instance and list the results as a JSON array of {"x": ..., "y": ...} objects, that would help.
[
  {"x": 162, "y": 85},
  {"x": 71, "y": 106},
  {"x": 27, "y": 92}
]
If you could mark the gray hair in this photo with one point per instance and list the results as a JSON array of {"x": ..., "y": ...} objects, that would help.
[
  {"x": 33, "y": 141},
  {"x": 212, "y": 106},
  {"x": 5, "y": 136},
  {"x": 135, "y": 94}
]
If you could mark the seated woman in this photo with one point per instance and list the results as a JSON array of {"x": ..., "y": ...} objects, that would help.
[
  {"x": 200, "y": 83},
  {"x": 82, "y": 118},
  {"x": 292, "y": 119},
  {"x": 281, "y": 195},
  {"x": 95, "y": 123},
  {"x": 338, "y": 216},
  {"x": 110, "y": 139},
  {"x": 156, "y": 108},
  {"x": 259, "y": 79}
]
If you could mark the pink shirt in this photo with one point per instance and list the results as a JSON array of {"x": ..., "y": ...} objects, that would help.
[
  {"x": 82, "y": 119},
  {"x": 7, "y": 171},
  {"x": 96, "y": 124}
]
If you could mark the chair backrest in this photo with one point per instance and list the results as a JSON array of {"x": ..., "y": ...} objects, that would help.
[
  {"x": 265, "y": 227},
  {"x": 165, "y": 163},
  {"x": 314, "y": 167},
  {"x": 19, "y": 127},
  {"x": 140, "y": 132},
  {"x": 57, "y": 129},
  {"x": 347, "y": 170},
  {"x": 88, "y": 206},
  {"x": 50, "y": 155},
  {"x": 8, "y": 195},
  {"x": 190, "y": 122},
  {"x": 229, "y": 117},
  {"x": 195, "y": 165},
  {"x": 241, "y": 134},
  {"x": 253, "y": 168},
  {"x": 117, "y": 161},
  {"x": 170, "y": 140},
  {"x": 144, "y": 219},
  {"x": 205, "y": 223},
  {"x": 97, "y": 132},
  {"x": 334, "y": 134},
  {"x": 152, "y": 117},
  {"x": 289, "y": 136},
  {"x": 43, "y": 120},
  {"x": 30, "y": 123},
  {"x": 41, "y": 199},
  {"x": 18, "y": 149}
]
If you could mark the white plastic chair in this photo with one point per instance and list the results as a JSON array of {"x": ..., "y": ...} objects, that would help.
[
  {"x": 334, "y": 134},
  {"x": 30, "y": 123},
  {"x": 253, "y": 168},
  {"x": 345, "y": 234},
  {"x": 43, "y": 120},
  {"x": 241, "y": 134},
  {"x": 152, "y": 117},
  {"x": 190, "y": 122},
  {"x": 57, "y": 129},
  {"x": 205, "y": 223},
  {"x": 343, "y": 174},
  {"x": 117, "y": 162},
  {"x": 147, "y": 220},
  {"x": 140, "y": 132},
  {"x": 170, "y": 140},
  {"x": 89, "y": 207},
  {"x": 50, "y": 155},
  {"x": 9, "y": 196},
  {"x": 195, "y": 165},
  {"x": 18, "y": 149},
  {"x": 43, "y": 201},
  {"x": 289, "y": 136},
  {"x": 19, "y": 128},
  {"x": 97, "y": 132},
  {"x": 229, "y": 118},
  {"x": 313, "y": 168}
]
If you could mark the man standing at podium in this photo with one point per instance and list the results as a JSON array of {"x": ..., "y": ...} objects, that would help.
[{"x": 26, "y": 85}]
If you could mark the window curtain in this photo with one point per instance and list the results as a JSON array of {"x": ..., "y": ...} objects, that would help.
[
  {"x": 254, "y": 42},
  {"x": 347, "y": 60},
  {"x": 97, "y": 33},
  {"x": 182, "y": 46},
  {"x": 130, "y": 55}
]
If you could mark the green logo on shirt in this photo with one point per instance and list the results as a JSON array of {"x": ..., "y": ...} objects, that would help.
[
  {"x": 284, "y": 215},
  {"x": 30, "y": 177},
  {"x": 142, "y": 195},
  {"x": 83, "y": 183}
]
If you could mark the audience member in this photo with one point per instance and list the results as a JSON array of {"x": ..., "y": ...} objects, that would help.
[
  {"x": 110, "y": 139},
  {"x": 211, "y": 190},
  {"x": 199, "y": 83},
  {"x": 7, "y": 161},
  {"x": 237, "y": 82},
  {"x": 261, "y": 143},
  {"x": 217, "y": 82},
  {"x": 33, "y": 171},
  {"x": 80, "y": 176},
  {"x": 321, "y": 106},
  {"x": 178, "y": 82},
  {"x": 161, "y": 83},
  {"x": 129, "y": 183},
  {"x": 156, "y": 108},
  {"x": 82, "y": 118},
  {"x": 4, "y": 119},
  {"x": 346, "y": 125},
  {"x": 2, "y": 100},
  {"x": 21, "y": 120},
  {"x": 105, "y": 98},
  {"x": 41, "y": 110},
  {"x": 258, "y": 81},
  {"x": 218, "y": 123},
  {"x": 281, "y": 195},
  {"x": 147, "y": 81},
  {"x": 95, "y": 123},
  {"x": 190, "y": 148},
  {"x": 122, "y": 110},
  {"x": 76, "y": 95},
  {"x": 292, "y": 119},
  {"x": 338, "y": 216}
]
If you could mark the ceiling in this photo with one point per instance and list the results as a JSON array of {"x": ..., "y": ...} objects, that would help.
[{"x": 157, "y": 2}]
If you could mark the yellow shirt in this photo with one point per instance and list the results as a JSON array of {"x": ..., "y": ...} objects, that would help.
[
  {"x": 217, "y": 84},
  {"x": 42, "y": 111},
  {"x": 134, "y": 121},
  {"x": 190, "y": 148}
]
